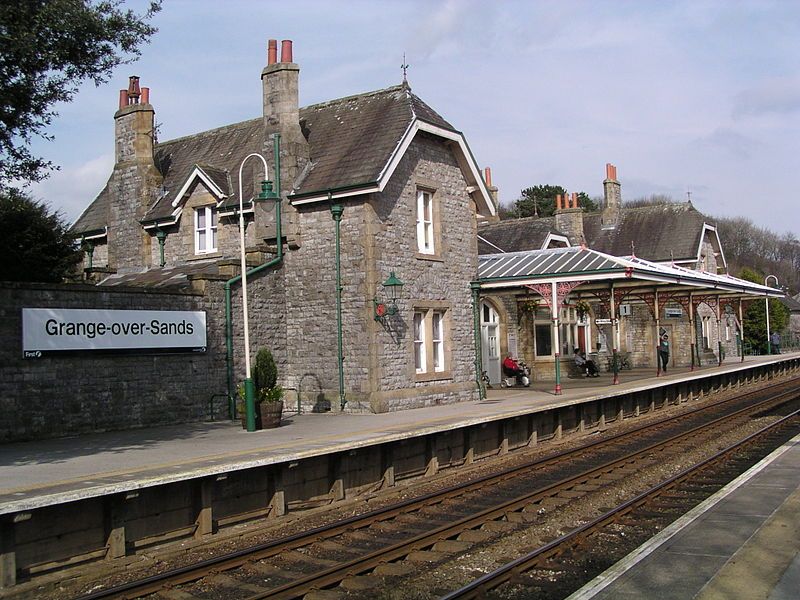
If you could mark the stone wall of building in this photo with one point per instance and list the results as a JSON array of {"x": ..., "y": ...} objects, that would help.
[
  {"x": 72, "y": 393},
  {"x": 378, "y": 236}
]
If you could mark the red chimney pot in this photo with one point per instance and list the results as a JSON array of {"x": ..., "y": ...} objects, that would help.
[
  {"x": 558, "y": 201},
  {"x": 272, "y": 52},
  {"x": 123, "y": 99},
  {"x": 574, "y": 200},
  {"x": 488, "y": 176},
  {"x": 145, "y": 95},
  {"x": 133, "y": 89},
  {"x": 286, "y": 51},
  {"x": 609, "y": 168}
]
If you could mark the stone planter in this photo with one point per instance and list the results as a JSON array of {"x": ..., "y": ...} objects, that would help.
[{"x": 270, "y": 414}]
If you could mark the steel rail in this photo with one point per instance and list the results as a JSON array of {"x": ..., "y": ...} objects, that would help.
[
  {"x": 337, "y": 573},
  {"x": 189, "y": 573},
  {"x": 502, "y": 575}
]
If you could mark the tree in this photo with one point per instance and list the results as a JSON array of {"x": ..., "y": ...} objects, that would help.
[
  {"x": 35, "y": 244},
  {"x": 755, "y": 322},
  {"x": 47, "y": 49},
  {"x": 540, "y": 200}
]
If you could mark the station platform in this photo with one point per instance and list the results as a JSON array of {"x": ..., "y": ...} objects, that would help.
[
  {"x": 56, "y": 471},
  {"x": 743, "y": 543}
]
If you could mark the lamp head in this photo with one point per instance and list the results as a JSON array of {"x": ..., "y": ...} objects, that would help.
[{"x": 267, "y": 191}]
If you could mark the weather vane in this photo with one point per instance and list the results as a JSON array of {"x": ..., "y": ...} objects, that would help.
[{"x": 404, "y": 66}]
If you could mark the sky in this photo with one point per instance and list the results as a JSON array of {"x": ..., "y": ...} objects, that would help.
[{"x": 699, "y": 97}]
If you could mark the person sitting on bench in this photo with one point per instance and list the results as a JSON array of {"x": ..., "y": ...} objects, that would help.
[
  {"x": 511, "y": 368},
  {"x": 586, "y": 365}
]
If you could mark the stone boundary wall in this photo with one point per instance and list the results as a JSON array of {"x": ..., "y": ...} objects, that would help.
[{"x": 74, "y": 393}]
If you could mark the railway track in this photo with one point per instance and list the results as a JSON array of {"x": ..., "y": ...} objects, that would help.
[
  {"x": 557, "y": 568},
  {"x": 356, "y": 554}
]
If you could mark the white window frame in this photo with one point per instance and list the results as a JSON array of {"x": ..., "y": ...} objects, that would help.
[
  {"x": 430, "y": 341},
  {"x": 437, "y": 343},
  {"x": 210, "y": 229},
  {"x": 420, "y": 356},
  {"x": 426, "y": 241}
]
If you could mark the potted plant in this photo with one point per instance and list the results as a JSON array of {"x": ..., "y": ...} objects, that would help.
[{"x": 269, "y": 395}]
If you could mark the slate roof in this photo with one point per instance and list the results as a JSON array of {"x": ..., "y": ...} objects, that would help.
[
  {"x": 175, "y": 278},
  {"x": 791, "y": 303},
  {"x": 351, "y": 140},
  {"x": 514, "y": 235},
  {"x": 655, "y": 230}
]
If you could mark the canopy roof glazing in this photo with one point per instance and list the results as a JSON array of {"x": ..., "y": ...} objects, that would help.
[{"x": 513, "y": 269}]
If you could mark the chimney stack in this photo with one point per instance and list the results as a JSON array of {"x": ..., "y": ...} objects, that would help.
[
  {"x": 493, "y": 191},
  {"x": 612, "y": 192},
  {"x": 134, "y": 178},
  {"x": 134, "y": 124},
  {"x": 280, "y": 85},
  {"x": 569, "y": 217}
]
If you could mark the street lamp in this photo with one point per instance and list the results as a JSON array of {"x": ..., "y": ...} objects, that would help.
[
  {"x": 393, "y": 286},
  {"x": 766, "y": 305},
  {"x": 249, "y": 386}
]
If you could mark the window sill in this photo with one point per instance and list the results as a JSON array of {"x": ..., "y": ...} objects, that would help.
[
  {"x": 432, "y": 257},
  {"x": 204, "y": 256},
  {"x": 436, "y": 375}
]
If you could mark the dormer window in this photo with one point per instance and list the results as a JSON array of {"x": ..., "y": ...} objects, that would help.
[{"x": 205, "y": 230}]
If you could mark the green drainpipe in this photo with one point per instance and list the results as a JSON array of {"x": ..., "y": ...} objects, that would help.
[
  {"x": 161, "y": 236},
  {"x": 265, "y": 193},
  {"x": 476, "y": 330},
  {"x": 336, "y": 213}
]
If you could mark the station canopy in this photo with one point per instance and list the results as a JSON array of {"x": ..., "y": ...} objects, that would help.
[{"x": 586, "y": 269}]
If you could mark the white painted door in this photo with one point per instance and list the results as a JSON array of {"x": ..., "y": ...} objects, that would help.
[{"x": 490, "y": 342}]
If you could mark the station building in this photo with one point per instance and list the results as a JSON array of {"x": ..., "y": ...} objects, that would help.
[
  {"x": 671, "y": 235},
  {"x": 409, "y": 195},
  {"x": 373, "y": 191}
]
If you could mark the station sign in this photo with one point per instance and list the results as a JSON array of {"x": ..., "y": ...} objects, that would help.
[
  {"x": 673, "y": 312},
  {"x": 47, "y": 330},
  {"x": 602, "y": 321}
]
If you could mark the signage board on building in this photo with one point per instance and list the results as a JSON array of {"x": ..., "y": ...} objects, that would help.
[
  {"x": 46, "y": 330},
  {"x": 673, "y": 312},
  {"x": 602, "y": 321}
]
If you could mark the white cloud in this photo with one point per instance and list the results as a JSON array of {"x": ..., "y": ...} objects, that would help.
[
  {"x": 779, "y": 95},
  {"x": 73, "y": 187}
]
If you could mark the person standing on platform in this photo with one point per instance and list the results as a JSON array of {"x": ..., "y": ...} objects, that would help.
[
  {"x": 775, "y": 342},
  {"x": 663, "y": 352}
]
